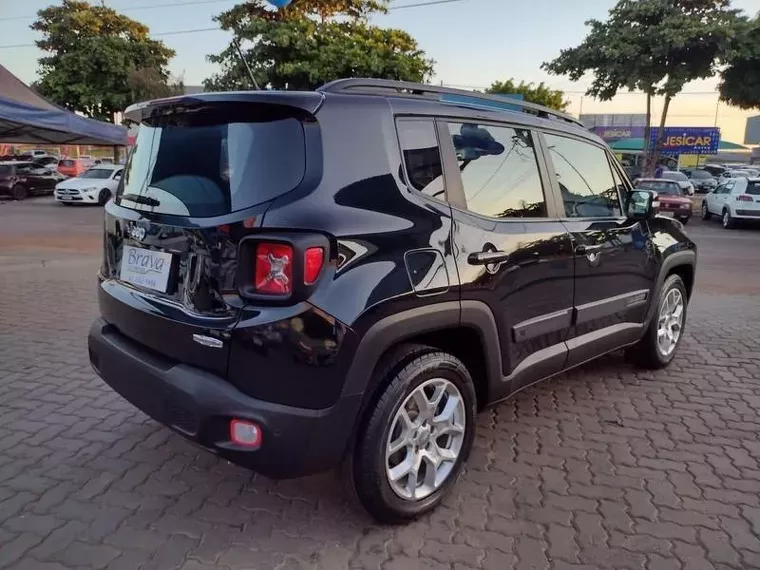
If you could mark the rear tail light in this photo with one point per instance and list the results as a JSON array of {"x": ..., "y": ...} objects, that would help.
[
  {"x": 274, "y": 269},
  {"x": 282, "y": 267},
  {"x": 312, "y": 264},
  {"x": 744, "y": 198}
]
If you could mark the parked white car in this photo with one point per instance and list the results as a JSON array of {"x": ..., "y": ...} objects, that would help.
[
  {"x": 733, "y": 200},
  {"x": 93, "y": 186},
  {"x": 682, "y": 179}
]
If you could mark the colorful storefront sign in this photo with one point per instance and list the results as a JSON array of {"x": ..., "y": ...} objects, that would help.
[
  {"x": 611, "y": 134},
  {"x": 687, "y": 140}
]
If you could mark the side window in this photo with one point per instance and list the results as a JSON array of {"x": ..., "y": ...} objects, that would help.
[
  {"x": 584, "y": 177},
  {"x": 419, "y": 148},
  {"x": 499, "y": 170}
]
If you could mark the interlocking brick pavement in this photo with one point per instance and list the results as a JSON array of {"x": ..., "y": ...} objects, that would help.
[{"x": 604, "y": 467}]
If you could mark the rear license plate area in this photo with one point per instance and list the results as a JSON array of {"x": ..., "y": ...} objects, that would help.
[{"x": 145, "y": 267}]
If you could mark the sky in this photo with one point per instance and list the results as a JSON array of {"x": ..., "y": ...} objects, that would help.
[{"x": 473, "y": 42}]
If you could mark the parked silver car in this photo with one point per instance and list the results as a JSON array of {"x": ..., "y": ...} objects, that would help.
[{"x": 682, "y": 179}]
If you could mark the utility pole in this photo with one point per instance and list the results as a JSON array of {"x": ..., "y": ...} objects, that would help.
[{"x": 717, "y": 107}]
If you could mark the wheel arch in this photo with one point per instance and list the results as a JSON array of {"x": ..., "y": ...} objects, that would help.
[
  {"x": 681, "y": 263},
  {"x": 467, "y": 330}
]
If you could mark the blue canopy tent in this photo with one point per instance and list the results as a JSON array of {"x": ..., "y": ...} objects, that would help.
[{"x": 27, "y": 118}]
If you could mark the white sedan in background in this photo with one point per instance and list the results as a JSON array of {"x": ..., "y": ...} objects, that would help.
[{"x": 94, "y": 186}]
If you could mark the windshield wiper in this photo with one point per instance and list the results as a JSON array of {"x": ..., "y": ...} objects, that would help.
[{"x": 140, "y": 199}]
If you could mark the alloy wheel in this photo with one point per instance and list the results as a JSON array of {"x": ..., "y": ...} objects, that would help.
[
  {"x": 425, "y": 440},
  {"x": 670, "y": 322}
]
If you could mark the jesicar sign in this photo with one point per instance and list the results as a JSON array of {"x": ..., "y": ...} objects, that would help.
[{"x": 688, "y": 140}]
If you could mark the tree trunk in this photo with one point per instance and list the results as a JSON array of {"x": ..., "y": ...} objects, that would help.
[
  {"x": 660, "y": 135},
  {"x": 647, "y": 136}
]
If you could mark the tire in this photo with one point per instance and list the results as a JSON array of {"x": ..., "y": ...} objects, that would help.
[
  {"x": 684, "y": 221},
  {"x": 705, "y": 211},
  {"x": 727, "y": 220},
  {"x": 19, "y": 192},
  {"x": 648, "y": 353},
  {"x": 104, "y": 196},
  {"x": 412, "y": 370}
]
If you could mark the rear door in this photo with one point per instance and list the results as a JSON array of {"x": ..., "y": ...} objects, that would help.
[
  {"x": 720, "y": 195},
  {"x": 614, "y": 271},
  {"x": 513, "y": 253},
  {"x": 197, "y": 183}
]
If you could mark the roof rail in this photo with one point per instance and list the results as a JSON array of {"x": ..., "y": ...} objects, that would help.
[{"x": 380, "y": 86}]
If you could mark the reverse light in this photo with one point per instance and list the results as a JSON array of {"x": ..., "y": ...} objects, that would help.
[
  {"x": 312, "y": 264},
  {"x": 274, "y": 269},
  {"x": 245, "y": 433}
]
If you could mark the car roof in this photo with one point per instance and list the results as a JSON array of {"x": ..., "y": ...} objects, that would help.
[
  {"x": 666, "y": 180},
  {"x": 105, "y": 166},
  {"x": 15, "y": 162},
  {"x": 404, "y": 97}
]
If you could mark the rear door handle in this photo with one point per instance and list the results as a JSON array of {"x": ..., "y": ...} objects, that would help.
[
  {"x": 487, "y": 257},
  {"x": 587, "y": 249}
]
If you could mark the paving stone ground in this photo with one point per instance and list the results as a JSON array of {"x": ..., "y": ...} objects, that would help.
[{"x": 605, "y": 467}]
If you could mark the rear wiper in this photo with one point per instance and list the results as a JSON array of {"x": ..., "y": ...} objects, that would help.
[{"x": 140, "y": 199}]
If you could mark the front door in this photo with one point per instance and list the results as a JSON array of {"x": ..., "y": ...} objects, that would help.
[
  {"x": 513, "y": 254},
  {"x": 614, "y": 269}
]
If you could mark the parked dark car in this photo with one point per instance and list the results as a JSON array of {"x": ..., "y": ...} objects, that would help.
[
  {"x": 702, "y": 180},
  {"x": 673, "y": 201},
  {"x": 49, "y": 161},
  {"x": 20, "y": 179},
  {"x": 298, "y": 281}
]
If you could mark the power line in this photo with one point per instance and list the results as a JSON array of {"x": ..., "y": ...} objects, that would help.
[
  {"x": 197, "y": 30},
  {"x": 135, "y": 8},
  {"x": 431, "y": 3},
  {"x": 200, "y": 2}
]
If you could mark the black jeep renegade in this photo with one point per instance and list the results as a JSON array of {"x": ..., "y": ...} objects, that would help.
[{"x": 297, "y": 281}]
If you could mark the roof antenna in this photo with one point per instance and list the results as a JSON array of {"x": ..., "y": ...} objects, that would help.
[{"x": 242, "y": 57}]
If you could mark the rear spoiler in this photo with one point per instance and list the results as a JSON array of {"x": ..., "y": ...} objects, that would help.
[{"x": 309, "y": 101}]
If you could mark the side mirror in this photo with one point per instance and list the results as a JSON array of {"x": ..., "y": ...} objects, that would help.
[{"x": 642, "y": 205}]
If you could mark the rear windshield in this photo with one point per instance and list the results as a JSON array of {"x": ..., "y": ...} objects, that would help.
[
  {"x": 5, "y": 170},
  {"x": 701, "y": 174},
  {"x": 214, "y": 162},
  {"x": 660, "y": 186},
  {"x": 67, "y": 163},
  {"x": 753, "y": 188}
]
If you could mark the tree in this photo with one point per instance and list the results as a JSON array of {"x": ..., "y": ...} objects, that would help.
[
  {"x": 93, "y": 50},
  {"x": 656, "y": 46},
  {"x": 740, "y": 80},
  {"x": 540, "y": 94},
  {"x": 311, "y": 42},
  {"x": 149, "y": 83}
]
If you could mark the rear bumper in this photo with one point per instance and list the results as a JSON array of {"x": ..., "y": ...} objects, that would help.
[
  {"x": 747, "y": 213},
  {"x": 199, "y": 405}
]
